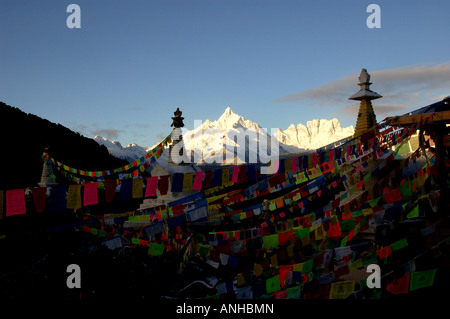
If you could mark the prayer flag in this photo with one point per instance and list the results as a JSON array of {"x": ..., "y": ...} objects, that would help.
[
  {"x": 235, "y": 176},
  {"x": 422, "y": 279},
  {"x": 39, "y": 198},
  {"x": 90, "y": 194},
  {"x": 399, "y": 286},
  {"x": 273, "y": 284},
  {"x": 15, "y": 202},
  {"x": 294, "y": 164},
  {"x": 57, "y": 199},
  {"x": 155, "y": 249},
  {"x": 402, "y": 243},
  {"x": 164, "y": 184},
  {"x": 198, "y": 181},
  {"x": 392, "y": 196},
  {"x": 138, "y": 188},
  {"x": 110, "y": 190},
  {"x": 126, "y": 189},
  {"x": 384, "y": 252},
  {"x": 187, "y": 181},
  {"x": 152, "y": 186},
  {"x": 414, "y": 212},
  {"x": 342, "y": 289},
  {"x": 293, "y": 292},
  {"x": 270, "y": 241},
  {"x": 177, "y": 182},
  {"x": 74, "y": 197}
]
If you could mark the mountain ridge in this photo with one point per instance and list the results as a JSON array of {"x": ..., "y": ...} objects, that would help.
[{"x": 226, "y": 131}]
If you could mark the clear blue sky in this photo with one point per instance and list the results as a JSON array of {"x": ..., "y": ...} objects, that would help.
[{"x": 132, "y": 63}]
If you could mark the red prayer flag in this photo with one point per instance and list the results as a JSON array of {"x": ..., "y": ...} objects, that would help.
[
  {"x": 110, "y": 190},
  {"x": 198, "y": 181},
  {"x": 384, "y": 252},
  {"x": 235, "y": 176},
  {"x": 164, "y": 184},
  {"x": 90, "y": 196},
  {"x": 294, "y": 164},
  {"x": 285, "y": 237},
  {"x": 283, "y": 271},
  {"x": 334, "y": 230},
  {"x": 15, "y": 202},
  {"x": 152, "y": 186},
  {"x": 39, "y": 198},
  {"x": 399, "y": 286},
  {"x": 393, "y": 196}
]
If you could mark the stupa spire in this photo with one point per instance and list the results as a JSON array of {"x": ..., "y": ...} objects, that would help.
[{"x": 366, "y": 115}]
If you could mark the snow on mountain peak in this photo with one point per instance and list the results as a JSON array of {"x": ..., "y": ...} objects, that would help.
[
  {"x": 213, "y": 137},
  {"x": 316, "y": 133},
  {"x": 129, "y": 153}
]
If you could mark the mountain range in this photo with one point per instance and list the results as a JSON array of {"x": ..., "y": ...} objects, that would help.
[{"x": 232, "y": 134}]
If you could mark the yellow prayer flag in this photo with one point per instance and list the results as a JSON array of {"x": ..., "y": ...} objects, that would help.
[
  {"x": 298, "y": 267},
  {"x": 188, "y": 181},
  {"x": 290, "y": 250},
  {"x": 138, "y": 187},
  {"x": 240, "y": 278},
  {"x": 74, "y": 197},
  {"x": 274, "y": 260},
  {"x": 287, "y": 165},
  {"x": 342, "y": 289},
  {"x": 257, "y": 270},
  {"x": 320, "y": 232}
]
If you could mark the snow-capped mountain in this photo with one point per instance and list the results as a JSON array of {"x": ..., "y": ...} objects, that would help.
[
  {"x": 231, "y": 135},
  {"x": 129, "y": 153},
  {"x": 316, "y": 134},
  {"x": 219, "y": 141}
]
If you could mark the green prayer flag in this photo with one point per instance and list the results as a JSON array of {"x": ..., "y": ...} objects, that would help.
[
  {"x": 344, "y": 241},
  {"x": 293, "y": 292},
  {"x": 302, "y": 232},
  {"x": 422, "y": 279},
  {"x": 407, "y": 189},
  {"x": 402, "y": 243},
  {"x": 357, "y": 213},
  {"x": 308, "y": 266},
  {"x": 204, "y": 250},
  {"x": 273, "y": 284},
  {"x": 102, "y": 233},
  {"x": 155, "y": 249},
  {"x": 414, "y": 212},
  {"x": 271, "y": 241},
  {"x": 370, "y": 258},
  {"x": 374, "y": 202},
  {"x": 376, "y": 293},
  {"x": 272, "y": 206},
  {"x": 347, "y": 225}
]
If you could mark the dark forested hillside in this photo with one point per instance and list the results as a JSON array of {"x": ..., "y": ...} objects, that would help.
[{"x": 23, "y": 138}]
